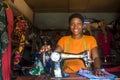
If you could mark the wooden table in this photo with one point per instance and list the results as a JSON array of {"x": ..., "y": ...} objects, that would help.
[
  {"x": 71, "y": 77},
  {"x": 47, "y": 77}
]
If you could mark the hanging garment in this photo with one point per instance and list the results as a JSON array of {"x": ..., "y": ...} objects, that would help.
[
  {"x": 105, "y": 43},
  {"x": 6, "y": 58},
  {"x": 3, "y": 35},
  {"x": 20, "y": 37}
]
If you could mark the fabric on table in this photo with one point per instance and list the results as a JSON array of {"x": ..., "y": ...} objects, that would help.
[{"x": 90, "y": 75}]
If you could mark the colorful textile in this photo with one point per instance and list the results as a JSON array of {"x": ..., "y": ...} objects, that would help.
[
  {"x": 76, "y": 46},
  {"x": 113, "y": 69},
  {"x": 3, "y": 36},
  {"x": 105, "y": 44},
  {"x": 20, "y": 38},
  {"x": 3, "y": 29},
  {"x": 91, "y": 76},
  {"x": 6, "y": 58},
  {"x": 38, "y": 69}
]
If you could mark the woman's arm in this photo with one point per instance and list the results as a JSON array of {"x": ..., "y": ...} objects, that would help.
[
  {"x": 58, "y": 49},
  {"x": 97, "y": 62}
]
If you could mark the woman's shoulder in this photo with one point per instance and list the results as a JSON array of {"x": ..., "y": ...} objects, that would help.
[
  {"x": 89, "y": 37},
  {"x": 65, "y": 37}
]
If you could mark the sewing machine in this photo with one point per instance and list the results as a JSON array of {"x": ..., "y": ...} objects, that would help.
[{"x": 58, "y": 58}]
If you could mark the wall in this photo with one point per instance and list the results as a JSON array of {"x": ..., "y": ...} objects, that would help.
[
  {"x": 24, "y": 9},
  {"x": 60, "y": 20}
]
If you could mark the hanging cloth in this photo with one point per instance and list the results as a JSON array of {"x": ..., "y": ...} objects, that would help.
[
  {"x": 20, "y": 34},
  {"x": 6, "y": 58},
  {"x": 3, "y": 36}
]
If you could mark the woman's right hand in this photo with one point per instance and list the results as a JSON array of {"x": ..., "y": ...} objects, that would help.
[{"x": 45, "y": 48}]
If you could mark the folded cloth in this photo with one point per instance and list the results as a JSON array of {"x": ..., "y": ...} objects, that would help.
[
  {"x": 38, "y": 69},
  {"x": 91, "y": 76},
  {"x": 113, "y": 69}
]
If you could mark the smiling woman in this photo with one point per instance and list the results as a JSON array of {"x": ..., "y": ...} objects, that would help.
[{"x": 76, "y": 43}]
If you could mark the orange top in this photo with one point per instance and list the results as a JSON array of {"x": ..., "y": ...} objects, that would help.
[{"x": 76, "y": 46}]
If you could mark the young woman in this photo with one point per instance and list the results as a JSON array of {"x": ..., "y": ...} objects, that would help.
[{"x": 76, "y": 43}]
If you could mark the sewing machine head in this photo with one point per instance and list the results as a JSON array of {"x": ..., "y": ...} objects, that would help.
[{"x": 57, "y": 57}]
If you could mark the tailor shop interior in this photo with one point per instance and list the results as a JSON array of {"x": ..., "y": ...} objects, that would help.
[{"x": 21, "y": 41}]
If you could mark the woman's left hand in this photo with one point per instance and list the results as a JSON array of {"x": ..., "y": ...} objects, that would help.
[{"x": 98, "y": 72}]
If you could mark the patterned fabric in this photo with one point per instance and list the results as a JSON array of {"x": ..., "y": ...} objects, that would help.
[
  {"x": 6, "y": 58},
  {"x": 38, "y": 69},
  {"x": 105, "y": 43},
  {"x": 20, "y": 38},
  {"x": 3, "y": 29},
  {"x": 3, "y": 35},
  {"x": 91, "y": 76}
]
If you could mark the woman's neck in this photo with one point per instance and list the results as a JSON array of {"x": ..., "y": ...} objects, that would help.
[{"x": 77, "y": 36}]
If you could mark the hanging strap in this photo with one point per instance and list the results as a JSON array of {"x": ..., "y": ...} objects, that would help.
[
  {"x": 84, "y": 43},
  {"x": 68, "y": 44},
  {"x": 66, "y": 51}
]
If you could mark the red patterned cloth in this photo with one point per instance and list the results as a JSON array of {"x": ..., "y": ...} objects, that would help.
[
  {"x": 6, "y": 58},
  {"x": 113, "y": 69},
  {"x": 105, "y": 45}
]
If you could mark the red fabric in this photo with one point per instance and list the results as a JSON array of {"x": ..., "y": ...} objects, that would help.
[
  {"x": 10, "y": 20},
  {"x": 6, "y": 58},
  {"x": 105, "y": 46},
  {"x": 6, "y": 63},
  {"x": 113, "y": 69}
]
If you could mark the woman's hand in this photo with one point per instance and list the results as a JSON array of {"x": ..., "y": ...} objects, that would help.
[
  {"x": 45, "y": 48},
  {"x": 98, "y": 72}
]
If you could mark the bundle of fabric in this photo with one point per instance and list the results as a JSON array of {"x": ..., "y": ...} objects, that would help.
[
  {"x": 113, "y": 69},
  {"x": 6, "y": 28},
  {"x": 20, "y": 39},
  {"x": 38, "y": 69},
  {"x": 91, "y": 76}
]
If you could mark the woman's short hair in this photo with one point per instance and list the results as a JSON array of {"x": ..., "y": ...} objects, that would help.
[{"x": 76, "y": 15}]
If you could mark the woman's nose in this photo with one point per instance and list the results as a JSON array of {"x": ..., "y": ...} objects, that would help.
[{"x": 75, "y": 26}]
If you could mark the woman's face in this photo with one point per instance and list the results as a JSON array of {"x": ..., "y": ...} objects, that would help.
[{"x": 76, "y": 26}]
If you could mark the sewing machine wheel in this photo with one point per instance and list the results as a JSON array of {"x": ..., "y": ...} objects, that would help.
[{"x": 55, "y": 57}]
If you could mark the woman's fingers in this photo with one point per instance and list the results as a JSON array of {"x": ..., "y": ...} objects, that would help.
[{"x": 45, "y": 48}]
